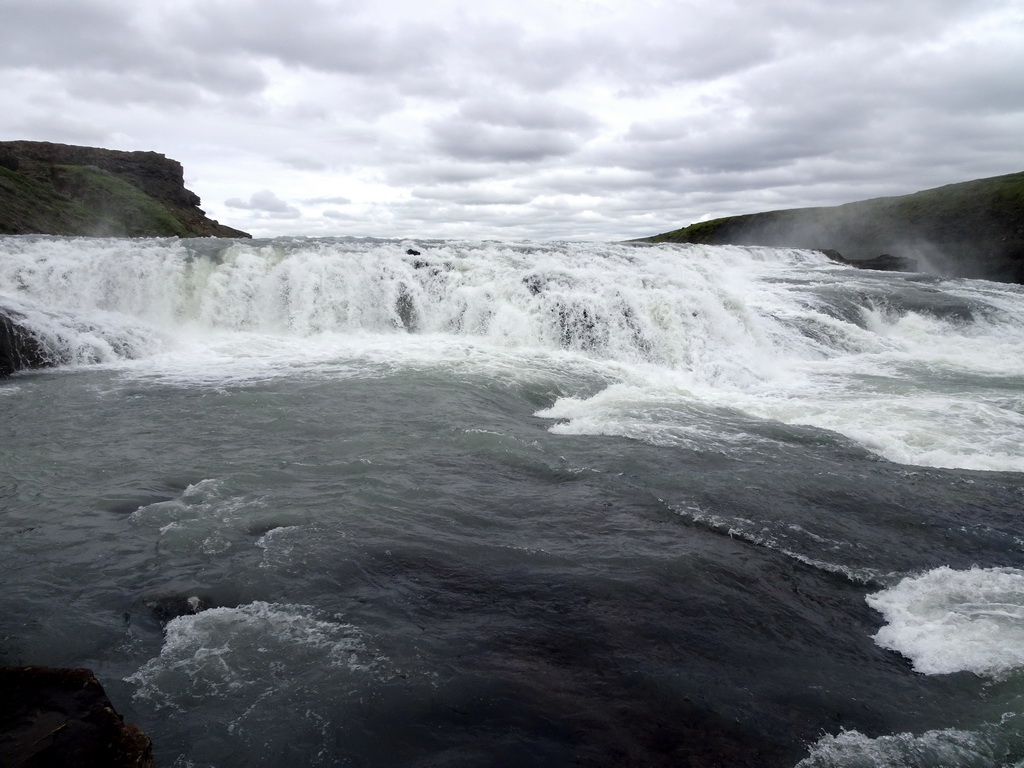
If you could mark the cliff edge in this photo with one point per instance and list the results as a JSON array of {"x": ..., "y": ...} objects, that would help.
[
  {"x": 60, "y": 189},
  {"x": 971, "y": 229}
]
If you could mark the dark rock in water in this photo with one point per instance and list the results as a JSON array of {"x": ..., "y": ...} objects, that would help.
[
  {"x": 834, "y": 255},
  {"x": 19, "y": 349},
  {"x": 62, "y": 718},
  {"x": 406, "y": 309},
  {"x": 534, "y": 284},
  {"x": 886, "y": 263},
  {"x": 412, "y": 252},
  {"x": 171, "y": 606}
]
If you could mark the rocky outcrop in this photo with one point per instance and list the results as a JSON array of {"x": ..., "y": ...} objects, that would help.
[
  {"x": 884, "y": 262},
  {"x": 19, "y": 348},
  {"x": 971, "y": 229},
  {"x": 60, "y": 189},
  {"x": 62, "y": 718}
]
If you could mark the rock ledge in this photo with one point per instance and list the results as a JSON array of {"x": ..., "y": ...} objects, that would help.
[{"x": 57, "y": 718}]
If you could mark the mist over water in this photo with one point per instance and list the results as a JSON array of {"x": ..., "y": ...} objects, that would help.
[{"x": 327, "y": 502}]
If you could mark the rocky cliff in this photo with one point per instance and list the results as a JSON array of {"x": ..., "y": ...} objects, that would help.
[
  {"x": 59, "y": 189},
  {"x": 971, "y": 229}
]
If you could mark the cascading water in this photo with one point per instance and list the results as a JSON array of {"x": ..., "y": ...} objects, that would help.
[
  {"x": 529, "y": 503},
  {"x": 918, "y": 372}
]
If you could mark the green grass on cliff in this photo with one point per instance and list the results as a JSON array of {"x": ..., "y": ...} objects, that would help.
[
  {"x": 27, "y": 205},
  {"x": 990, "y": 209},
  {"x": 971, "y": 229},
  {"x": 77, "y": 199},
  {"x": 136, "y": 213}
]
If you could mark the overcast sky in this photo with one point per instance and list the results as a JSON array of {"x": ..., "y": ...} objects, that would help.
[{"x": 546, "y": 119}]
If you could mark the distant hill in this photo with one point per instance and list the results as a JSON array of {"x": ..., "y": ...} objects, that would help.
[
  {"x": 60, "y": 189},
  {"x": 971, "y": 229}
]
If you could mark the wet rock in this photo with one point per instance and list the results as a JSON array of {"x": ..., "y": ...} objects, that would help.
[
  {"x": 886, "y": 263},
  {"x": 62, "y": 718},
  {"x": 19, "y": 348},
  {"x": 171, "y": 606},
  {"x": 412, "y": 252},
  {"x": 834, "y": 255},
  {"x": 406, "y": 309},
  {"x": 534, "y": 284}
]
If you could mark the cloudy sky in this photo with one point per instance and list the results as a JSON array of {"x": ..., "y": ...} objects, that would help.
[{"x": 544, "y": 119}]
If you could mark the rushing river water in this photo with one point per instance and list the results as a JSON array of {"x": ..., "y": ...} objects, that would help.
[{"x": 325, "y": 502}]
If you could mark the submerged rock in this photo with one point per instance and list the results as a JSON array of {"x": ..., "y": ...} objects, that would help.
[
  {"x": 57, "y": 718},
  {"x": 170, "y": 606},
  {"x": 405, "y": 306}
]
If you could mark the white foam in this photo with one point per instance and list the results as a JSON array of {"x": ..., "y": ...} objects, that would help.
[
  {"x": 786, "y": 539},
  {"x": 279, "y": 544},
  {"x": 241, "y": 653},
  {"x": 949, "y": 748},
  {"x": 206, "y": 518},
  {"x": 936, "y": 429},
  {"x": 771, "y": 334},
  {"x": 947, "y": 620}
]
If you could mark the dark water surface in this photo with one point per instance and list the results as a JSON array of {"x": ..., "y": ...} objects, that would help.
[{"x": 370, "y": 550}]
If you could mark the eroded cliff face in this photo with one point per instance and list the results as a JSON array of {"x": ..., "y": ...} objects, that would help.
[{"x": 61, "y": 189}]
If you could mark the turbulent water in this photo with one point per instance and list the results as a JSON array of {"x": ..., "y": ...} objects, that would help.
[{"x": 326, "y": 502}]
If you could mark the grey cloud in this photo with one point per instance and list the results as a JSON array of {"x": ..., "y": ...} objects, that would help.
[
  {"x": 65, "y": 33},
  {"x": 327, "y": 201},
  {"x": 51, "y": 124},
  {"x": 113, "y": 88},
  {"x": 304, "y": 163},
  {"x": 473, "y": 196},
  {"x": 111, "y": 37},
  {"x": 633, "y": 59},
  {"x": 433, "y": 172},
  {"x": 307, "y": 33},
  {"x": 534, "y": 113},
  {"x": 536, "y": 65},
  {"x": 499, "y": 143},
  {"x": 265, "y": 202},
  {"x": 332, "y": 214},
  {"x": 495, "y": 129},
  {"x": 512, "y": 129}
]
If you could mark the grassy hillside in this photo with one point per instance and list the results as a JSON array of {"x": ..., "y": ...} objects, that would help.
[
  {"x": 971, "y": 229},
  {"x": 81, "y": 201},
  {"x": 59, "y": 189},
  {"x": 27, "y": 205}
]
